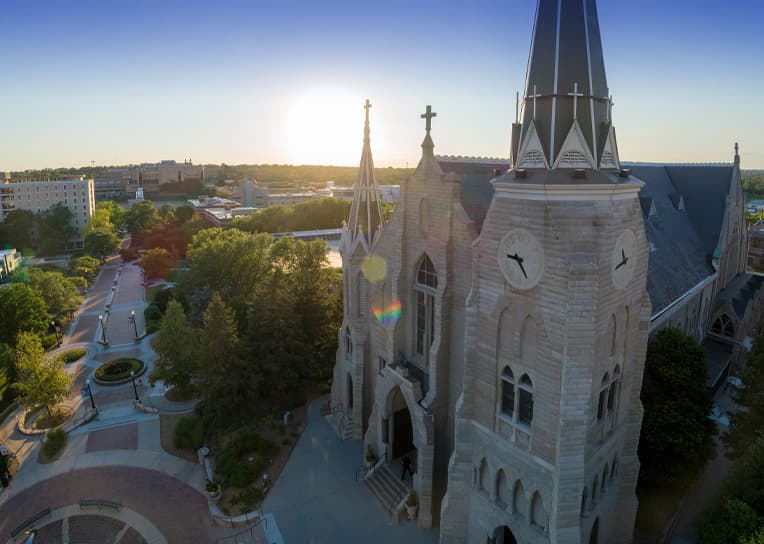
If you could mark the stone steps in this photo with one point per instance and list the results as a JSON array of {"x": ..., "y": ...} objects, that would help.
[
  {"x": 347, "y": 428},
  {"x": 388, "y": 489}
]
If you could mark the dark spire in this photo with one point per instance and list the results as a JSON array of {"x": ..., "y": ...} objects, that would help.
[
  {"x": 427, "y": 145},
  {"x": 566, "y": 108},
  {"x": 365, "y": 211}
]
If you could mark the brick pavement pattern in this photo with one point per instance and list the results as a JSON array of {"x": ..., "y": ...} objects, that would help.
[
  {"x": 124, "y": 437},
  {"x": 177, "y": 510}
]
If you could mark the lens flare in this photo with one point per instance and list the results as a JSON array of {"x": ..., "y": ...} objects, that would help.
[
  {"x": 374, "y": 268},
  {"x": 388, "y": 315}
]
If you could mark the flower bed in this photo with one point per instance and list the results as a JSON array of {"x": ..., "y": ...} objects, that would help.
[{"x": 118, "y": 370}]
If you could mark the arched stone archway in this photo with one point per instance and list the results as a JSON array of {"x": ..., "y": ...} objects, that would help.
[
  {"x": 395, "y": 394},
  {"x": 349, "y": 393},
  {"x": 502, "y": 535}
]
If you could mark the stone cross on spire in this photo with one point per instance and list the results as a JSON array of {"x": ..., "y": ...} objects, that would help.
[
  {"x": 366, "y": 130},
  {"x": 428, "y": 115},
  {"x": 575, "y": 94}
]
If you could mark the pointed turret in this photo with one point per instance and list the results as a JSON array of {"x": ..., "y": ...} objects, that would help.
[
  {"x": 565, "y": 121},
  {"x": 365, "y": 212}
]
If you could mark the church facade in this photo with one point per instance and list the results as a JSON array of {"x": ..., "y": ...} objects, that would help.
[{"x": 496, "y": 324}]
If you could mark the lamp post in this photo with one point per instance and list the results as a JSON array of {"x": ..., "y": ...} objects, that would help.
[
  {"x": 57, "y": 330},
  {"x": 90, "y": 393},
  {"x": 131, "y": 319},
  {"x": 135, "y": 389},
  {"x": 103, "y": 329}
]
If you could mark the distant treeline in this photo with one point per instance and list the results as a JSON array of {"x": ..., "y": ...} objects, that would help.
[
  {"x": 753, "y": 182},
  {"x": 285, "y": 173},
  {"x": 265, "y": 173}
]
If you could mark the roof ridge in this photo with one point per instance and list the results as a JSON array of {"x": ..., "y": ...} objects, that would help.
[
  {"x": 636, "y": 163},
  {"x": 470, "y": 158}
]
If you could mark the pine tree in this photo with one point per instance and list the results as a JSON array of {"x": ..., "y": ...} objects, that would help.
[{"x": 176, "y": 344}]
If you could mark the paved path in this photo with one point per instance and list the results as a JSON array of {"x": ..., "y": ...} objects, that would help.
[
  {"x": 316, "y": 499},
  {"x": 118, "y": 456}
]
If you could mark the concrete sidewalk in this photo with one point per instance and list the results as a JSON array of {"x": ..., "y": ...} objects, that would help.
[{"x": 317, "y": 499}]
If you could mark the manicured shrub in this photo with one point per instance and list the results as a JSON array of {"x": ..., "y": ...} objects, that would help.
[
  {"x": 236, "y": 466},
  {"x": 189, "y": 433},
  {"x": 72, "y": 355},
  {"x": 55, "y": 442}
]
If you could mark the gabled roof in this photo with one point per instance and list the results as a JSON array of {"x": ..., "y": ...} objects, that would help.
[{"x": 682, "y": 242}]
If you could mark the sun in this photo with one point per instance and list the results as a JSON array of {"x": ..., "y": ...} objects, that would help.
[{"x": 324, "y": 126}]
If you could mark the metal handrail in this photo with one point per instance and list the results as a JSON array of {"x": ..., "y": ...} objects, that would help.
[{"x": 359, "y": 471}]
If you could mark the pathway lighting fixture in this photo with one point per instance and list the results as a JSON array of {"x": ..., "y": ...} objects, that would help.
[
  {"x": 131, "y": 319},
  {"x": 57, "y": 330},
  {"x": 103, "y": 330},
  {"x": 135, "y": 389},
  {"x": 90, "y": 394}
]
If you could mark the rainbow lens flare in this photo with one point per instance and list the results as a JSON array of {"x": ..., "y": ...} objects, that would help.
[{"x": 388, "y": 315}]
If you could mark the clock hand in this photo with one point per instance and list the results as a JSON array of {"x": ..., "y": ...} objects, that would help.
[
  {"x": 624, "y": 261},
  {"x": 519, "y": 261}
]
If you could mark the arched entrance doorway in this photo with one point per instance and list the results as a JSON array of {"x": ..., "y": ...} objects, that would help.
[
  {"x": 401, "y": 427},
  {"x": 502, "y": 535},
  {"x": 595, "y": 532},
  {"x": 349, "y": 395}
]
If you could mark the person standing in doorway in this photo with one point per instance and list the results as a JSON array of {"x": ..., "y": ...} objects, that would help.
[{"x": 406, "y": 468}]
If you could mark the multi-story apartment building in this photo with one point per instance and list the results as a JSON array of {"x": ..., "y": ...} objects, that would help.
[
  {"x": 157, "y": 177},
  {"x": 37, "y": 196}
]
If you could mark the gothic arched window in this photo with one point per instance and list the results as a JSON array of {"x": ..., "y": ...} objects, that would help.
[
  {"x": 538, "y": 514},
  {"x": 362, "y": 295},
  {"x": 424, "y": 291},
  {"x": 525, "y": 404},
  {"x": 507, "y": 392},
  {"x": 584, "y": 498},
  {"x": 723, "y": 326},
  {"x": 483, "y": 480},
  {"x": 603, "y": 396},
  {"x": 348, "y": 344}
]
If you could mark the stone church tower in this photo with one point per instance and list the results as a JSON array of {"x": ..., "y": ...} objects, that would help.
[
  {"x": 557, "y": 319},
  {"x": 350, "y": 390}
]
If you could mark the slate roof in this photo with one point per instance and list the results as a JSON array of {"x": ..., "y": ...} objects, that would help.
[
  {"x": 740, "y": 291},
  {"x": 682, "y": 241},
  {"x": 566, "y": 51}
]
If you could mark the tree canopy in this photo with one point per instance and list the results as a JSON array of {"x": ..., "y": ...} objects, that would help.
[
  {"x": 55, "y": 228},
  {"x": 101, "y": 242},
  {"x": 748, "y": 422},
  {"x": 141, "y": 215},
  {"x": 61, "y": 294},
  {"x": 41, "y": 380},
  {"x": 177, "y": 346},
  {"x": 22, "y": 310},
  {"x": 677, "y": 436},
  {"x": 17, "y": 230},
  {"x": 156, "y": 262}
]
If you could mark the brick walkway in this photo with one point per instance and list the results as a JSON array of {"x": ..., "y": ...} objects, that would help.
[
  {"x": 179, "y": 511},
  {"x": 124, "y": 437}
]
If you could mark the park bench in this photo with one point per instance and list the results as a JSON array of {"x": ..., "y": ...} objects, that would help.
[
  {"x": 99, "y": 503},
  {"x": 29, "y": 522}
]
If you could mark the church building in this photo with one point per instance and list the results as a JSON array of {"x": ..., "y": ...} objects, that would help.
[{"x": 496, "y": 324}]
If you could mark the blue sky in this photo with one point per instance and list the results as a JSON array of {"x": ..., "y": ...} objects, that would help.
[{"x": 236, "y": 81}]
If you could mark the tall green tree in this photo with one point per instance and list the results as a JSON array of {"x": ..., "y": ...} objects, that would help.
[
  {"x": 22, "y": 310},
  {"x": 156, "y": 262},
  {"x": 748, "y": 422},
  {"x": 61, "y": 294},
  {"x": 55, "y": 228},
  {"x": 141, "y": 215},
  {"x": 101, "y": 242},
  {"x": 101, "y": 219},
  {"x": 677, "y": 438},
  {"x": 177, "y": 346},
  {"x": 115, "y": 212},
  {"x": 224, "y": 379},
  {"x": 86, "y": 267},
  {"x": 41, "y": 380},
  {"x": 17, "y": 230},
  {"x": 731, "y": 522}
]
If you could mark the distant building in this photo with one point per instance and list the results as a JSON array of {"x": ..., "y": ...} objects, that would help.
[
  {"x": 10, "y": 259},
  {"x": 253, "y": 195},
  {"x": 109, "y": 189},
  {"x": 165, "y": 176},
  {"x": 217, "y": 210},
  {"x": 37, "y": 196}
]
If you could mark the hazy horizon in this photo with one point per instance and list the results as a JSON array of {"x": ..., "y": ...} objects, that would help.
[{"x": 284, "y": 83}]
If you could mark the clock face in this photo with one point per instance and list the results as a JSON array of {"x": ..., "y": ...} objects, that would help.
[
  {"x": 624, "y": 259},
  {"x": 521, "y": 259}
]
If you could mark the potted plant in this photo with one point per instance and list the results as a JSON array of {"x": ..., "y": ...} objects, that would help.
[
  {"x": 371, "y": 456},
  {"x": 411, "y": 504},
  {"x": 213, "y": 490}
]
